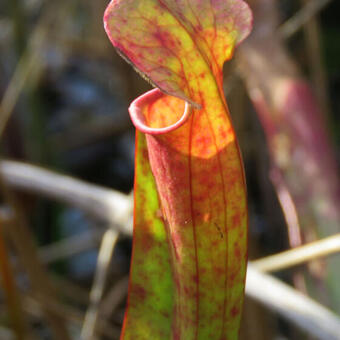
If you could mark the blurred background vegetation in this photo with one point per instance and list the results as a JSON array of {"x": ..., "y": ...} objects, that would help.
[{"x": 64, "y": 94}]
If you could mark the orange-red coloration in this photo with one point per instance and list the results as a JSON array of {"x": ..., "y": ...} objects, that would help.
[{"x": 191, "y": 262}]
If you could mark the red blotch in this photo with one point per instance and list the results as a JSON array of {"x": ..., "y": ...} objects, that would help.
[
  {"x": 236, "y": 221},
  {"x": 146, "y": 239},
  {"x": 165, "y": 39},
  {"x": 219, "y": 272},
  {"x": 234, "y": 312},
  {"x": 138, "y": 292},
  {"x": 166, "y": 314},
  {"x": 237, "y": 250},
  {"x": 176, "y": 335},
  {"x": 187, "y": 291}
]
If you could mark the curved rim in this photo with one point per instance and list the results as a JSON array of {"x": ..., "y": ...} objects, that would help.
[{"x": 137, "y": 117}]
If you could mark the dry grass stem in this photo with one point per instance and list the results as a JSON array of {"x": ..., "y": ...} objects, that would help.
[
  {"x": 104, "y": 258},
  {"x": 297, "y": 21},
  {"x": 70, "y": 246},
  {"x": 114, "y": 297},
  {"x": 108, "y": 205},
  {"x": 299, "y": 255},
  {"x": 299, "y": 309}
]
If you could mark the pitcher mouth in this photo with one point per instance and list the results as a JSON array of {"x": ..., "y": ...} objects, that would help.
[{"x": 139, "y": 119}]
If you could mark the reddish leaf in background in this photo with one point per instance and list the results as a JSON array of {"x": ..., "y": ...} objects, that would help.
[
  {"x": 189, "y": 251},
  {"x": 303, "y": 165}
]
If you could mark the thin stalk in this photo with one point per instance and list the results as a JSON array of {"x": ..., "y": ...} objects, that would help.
[
  {"x": 299, "y": 255},
  {"x": 70, "y": 246},
  {"x": 114, "y": 297},
  {"x": 104, "y": 258}
]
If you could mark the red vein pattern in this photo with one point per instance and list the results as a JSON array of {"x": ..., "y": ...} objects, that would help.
[{"x": 190, "y": 235}]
